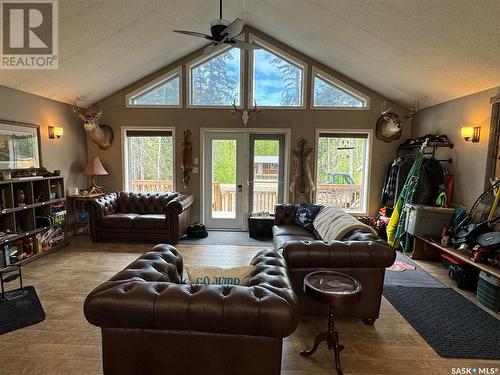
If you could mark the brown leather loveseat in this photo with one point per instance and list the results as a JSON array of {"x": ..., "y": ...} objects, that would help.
[
  {"x": 152, "y": 324},
  {"x": 129, "y": 216},
  {"x": 361, "y": 255}
]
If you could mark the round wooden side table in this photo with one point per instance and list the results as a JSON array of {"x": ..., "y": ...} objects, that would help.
[{"x": 332, "y": 288}]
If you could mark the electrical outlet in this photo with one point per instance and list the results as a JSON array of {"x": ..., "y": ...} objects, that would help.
[
  {"x": 195, "y": 170},
  {"x": 195, "y": 161}
]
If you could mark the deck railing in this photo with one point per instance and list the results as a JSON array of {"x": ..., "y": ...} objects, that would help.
[
  {"x": 152, "y": 185},
  {"x": 341, "y": 196}
]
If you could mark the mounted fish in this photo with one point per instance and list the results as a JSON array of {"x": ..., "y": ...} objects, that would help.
[{"x": 101, "y": 135}]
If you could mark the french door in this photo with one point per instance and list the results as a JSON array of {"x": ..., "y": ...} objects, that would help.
[{"x": 243, "y": 172}]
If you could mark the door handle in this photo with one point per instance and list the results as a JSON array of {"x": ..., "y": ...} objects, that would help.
[{"x": 239, "y": 188}]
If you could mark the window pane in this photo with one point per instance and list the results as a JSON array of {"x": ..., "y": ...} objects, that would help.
[
  {"x": 166, "y": 93},
  {"x": 327, "y": 94},
  {"x": 150, "y": 163},
  {"x": 265, "y": 175},
  {"x": 276, "y": 82},
  {"x": 224, "y": 178},
  {"x": 217, "y": 81},
  {"x": 340, "y": 172}
]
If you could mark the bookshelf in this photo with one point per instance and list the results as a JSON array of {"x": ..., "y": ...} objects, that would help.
[{"x": 33, "y": 218}]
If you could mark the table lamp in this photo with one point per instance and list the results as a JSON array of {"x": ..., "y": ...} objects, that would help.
[{"x": 95, "y": 168}]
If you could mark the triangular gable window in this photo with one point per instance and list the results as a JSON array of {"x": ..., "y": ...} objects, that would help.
[
  {"x": 329, "y": 92},
  {"x": 162, "y": 92}
]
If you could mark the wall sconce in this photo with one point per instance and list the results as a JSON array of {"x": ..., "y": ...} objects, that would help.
[
  {"x": 55, "y": 132},
  {"x": 471, "y": 134}
]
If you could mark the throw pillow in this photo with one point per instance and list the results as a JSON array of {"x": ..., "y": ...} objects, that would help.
[
  {"x": 305, "y": 215},
  {"x": 218, "y": 275}
]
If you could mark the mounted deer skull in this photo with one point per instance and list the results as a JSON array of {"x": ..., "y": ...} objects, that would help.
[
  {"x": 389, "y": 124},
  {"x": 245, "y": 115},
  {"x": 102, "y": 135}
]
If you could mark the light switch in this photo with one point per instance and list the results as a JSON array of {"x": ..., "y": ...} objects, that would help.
[
  {"x": 195, "y": 161},
  {"x": 195, "y": 170}
]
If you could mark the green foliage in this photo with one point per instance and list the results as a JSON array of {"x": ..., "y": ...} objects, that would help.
[
  {"x": 291, "y": 77},
  {"x": 215, "y": 82},
  {"x": 150, "y": 158},
  {"x": 224, "y": 161},
  {"x": 266, "y": 148},
  {"x": 340, "y": 155},
  {"x": 165, "y": 94}
]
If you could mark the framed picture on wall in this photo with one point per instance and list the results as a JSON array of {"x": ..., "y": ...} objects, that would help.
[{"x": 19, "y": 145}]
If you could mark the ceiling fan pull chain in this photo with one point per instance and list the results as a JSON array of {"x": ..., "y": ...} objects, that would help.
[{"x": 220, "y": 12}]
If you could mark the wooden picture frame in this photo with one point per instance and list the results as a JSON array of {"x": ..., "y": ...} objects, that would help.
[{"x": 20, "y": 145}]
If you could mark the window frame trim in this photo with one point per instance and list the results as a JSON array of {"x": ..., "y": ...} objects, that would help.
[
  {"x": 198, "y": 61},
  {"x": 285, "y": 56},
  {"x": 124, "y": 151},
  {"x": 368, "y": 161},
  {"x": 316, "y": 72},
  {"x": 157, "y": 82}
]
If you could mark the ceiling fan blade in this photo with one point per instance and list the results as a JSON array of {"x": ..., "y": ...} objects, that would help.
[
  {"x": 245, "y": 45},
  {"x": 234, "y": 28},
  {"x": 193, "y": 33}
]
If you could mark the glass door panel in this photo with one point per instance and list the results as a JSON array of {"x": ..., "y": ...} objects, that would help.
[{"x": 266, "y": 172}]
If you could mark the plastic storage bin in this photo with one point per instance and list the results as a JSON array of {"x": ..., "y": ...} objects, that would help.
[
  {"x": 488, "y": 291},
  {"x": 427, "y": 220}
]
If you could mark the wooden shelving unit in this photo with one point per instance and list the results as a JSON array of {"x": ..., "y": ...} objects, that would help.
[
  {"x": 425, "y": 249},
  {"x": 33, "y": 218}
]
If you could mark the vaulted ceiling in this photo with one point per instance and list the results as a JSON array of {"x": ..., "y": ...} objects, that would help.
[{"x": 407, "y": 50}]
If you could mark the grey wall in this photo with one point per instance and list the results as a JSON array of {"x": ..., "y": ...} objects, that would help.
[
  {"x": 469, "y": 159},
  {"x": 69, "y": 154},
  {"x": 303, "y": 123}
]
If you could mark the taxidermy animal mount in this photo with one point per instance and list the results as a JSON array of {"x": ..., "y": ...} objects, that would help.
[
  {"x": 102, "y": 135},
  {"x": 302, "y": 181},
  {"x": 245, "y": 115},
  {"x": 187, "y": 157},
  {"x": 390, "y": 125}
]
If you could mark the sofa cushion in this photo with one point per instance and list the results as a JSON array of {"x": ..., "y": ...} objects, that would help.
[
  {"x": 149, "y": 221},
  {"x": 291, "y": 230},
  {"x": 120, "y": 220},
  {"x": 144, "y": 202},
  {"x": 305, "y": 215},
  {"x": 280, "y": 241}
]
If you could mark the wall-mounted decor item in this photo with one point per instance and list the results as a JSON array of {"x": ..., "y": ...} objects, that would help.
[
  {"x": 302, "y": 185},
  {"x": 187, "y": 157},
  {"x": 101, "y": 135},
  {"x": 55, "y": 132},
  {"x": 245, "y": 115},
  {"x": 390, "y": 125},
  {"x": 471, "y": 133},
  {"x": 19, "y": 145},
  {"x": 95, "y": 168}
]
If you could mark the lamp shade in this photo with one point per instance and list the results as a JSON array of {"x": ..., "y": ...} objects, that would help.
[{"x": 95, "y": 168}]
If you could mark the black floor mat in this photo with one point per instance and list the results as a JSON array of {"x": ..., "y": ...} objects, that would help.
[
  {"x": 21, "y": 310},
  {"x": 451, "y": 324}
]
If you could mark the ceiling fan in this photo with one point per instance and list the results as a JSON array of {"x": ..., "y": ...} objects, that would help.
[{"x": 223, "y": 32}]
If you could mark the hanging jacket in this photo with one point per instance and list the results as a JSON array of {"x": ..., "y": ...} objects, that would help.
[{"x": 431, "y": 176}]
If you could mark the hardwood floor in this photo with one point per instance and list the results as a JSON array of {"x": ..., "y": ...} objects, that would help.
[{"x": 66, "y": 344}]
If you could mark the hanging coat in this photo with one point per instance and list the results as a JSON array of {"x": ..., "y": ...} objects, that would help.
[{"x": 395, "y": 228}]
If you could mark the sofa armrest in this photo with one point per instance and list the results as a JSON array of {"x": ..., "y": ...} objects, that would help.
[
  {"x": 103, "y": 205},
  {"x": 284, "y": 214},
  {"x": 140, "y": 297},
  {"x": 338, "y": 254},
  {"x": 179, "y": 204}
]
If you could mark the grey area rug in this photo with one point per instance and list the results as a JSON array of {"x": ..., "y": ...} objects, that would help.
[
  {"x": 411, "y": 278},
  {"x": 451, "y": 324},
  {"x": 217, "y": 237}
]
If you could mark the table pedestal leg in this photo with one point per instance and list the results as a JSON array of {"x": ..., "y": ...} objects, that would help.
[{"x": 332, "y": 341}]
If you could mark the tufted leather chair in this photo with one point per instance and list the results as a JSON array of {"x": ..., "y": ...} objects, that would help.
[
  {"x": 130, "y": 216},
  {"x": 152, "y": 324},
  {"x": 361, "y": 255}
]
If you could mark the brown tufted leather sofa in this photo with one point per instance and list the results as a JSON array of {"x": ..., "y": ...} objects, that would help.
[
  {"x": 361, "y": 255},
  {"x": 129, "y": 216},
  {"x": 152, "y": 324}
]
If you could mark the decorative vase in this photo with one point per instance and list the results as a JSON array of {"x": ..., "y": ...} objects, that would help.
[{"x": 20, "y": 197}]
